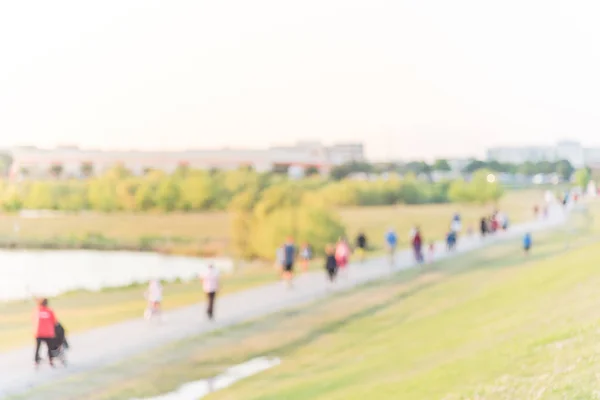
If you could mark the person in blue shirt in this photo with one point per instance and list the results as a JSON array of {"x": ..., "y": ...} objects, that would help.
[
  {"x": 392, "y": 241},
  {"x": 527, "y": 242}
]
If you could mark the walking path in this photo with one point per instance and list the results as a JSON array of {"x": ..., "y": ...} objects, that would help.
[{"x": 107, "y": 345}]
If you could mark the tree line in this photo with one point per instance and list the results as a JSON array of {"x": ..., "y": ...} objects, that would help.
[
  {"x": 189, "y": 190},
  {"x": 562, "y": 168},
  {"x": 265, "y": 207}
]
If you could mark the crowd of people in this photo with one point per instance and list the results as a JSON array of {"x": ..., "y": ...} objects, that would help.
[{"x": 337, "y": 257}]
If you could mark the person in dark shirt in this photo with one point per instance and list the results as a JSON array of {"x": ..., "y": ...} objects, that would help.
[
  {"x": 361, "y": 246},
  {"x": 330, "y": 263},
  {"x": 484, "y": 226},
  {"x": 289, "y": 256}
]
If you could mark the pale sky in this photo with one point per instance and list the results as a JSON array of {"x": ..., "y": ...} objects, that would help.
[{"x": 408, "y": 78}]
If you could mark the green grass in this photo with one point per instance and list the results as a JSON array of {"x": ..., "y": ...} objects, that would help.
[
  {"x": 80, "y": 311},
  {"x": 492, "y": 324}
]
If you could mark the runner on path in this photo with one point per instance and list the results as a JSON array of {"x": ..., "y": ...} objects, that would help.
[
  {"x": 456, "y": 223},
  {"x": 342, "y": 255},
  {"x": 210, "y": 283},
  {"x": 153, "y": 296},
  {"x": 417, "y": 243},
  {"x": 361, "y": 246},
  {"x": 45, "y": 323},
  {"x": 392, "y": 241},
  {"x": 527, "y": 243},
  {"x": 451, "y": 240},
  {"x": 483, "y": 226},
  {"x": 431, "y": 252},
  {"x": 306, "y": 256},
  {"x": 289, "y": 256},
  {"x": 330, "y": 263}
]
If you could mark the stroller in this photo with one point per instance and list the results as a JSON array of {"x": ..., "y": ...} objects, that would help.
[{"x": 59, "y": 344}]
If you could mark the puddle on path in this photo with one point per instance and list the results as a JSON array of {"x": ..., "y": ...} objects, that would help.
[{"x": 199, "y": 389}]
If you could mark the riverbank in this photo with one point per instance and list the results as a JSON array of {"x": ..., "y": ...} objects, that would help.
[{"x": 207, "y": 234}]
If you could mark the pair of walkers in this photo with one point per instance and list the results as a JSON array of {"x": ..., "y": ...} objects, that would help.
[
  {"x": 337, "y": 259},
  {"x": 154, "y": 294}
]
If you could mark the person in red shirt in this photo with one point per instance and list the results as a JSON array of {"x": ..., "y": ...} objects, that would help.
[{"x": 45, "y": 325}]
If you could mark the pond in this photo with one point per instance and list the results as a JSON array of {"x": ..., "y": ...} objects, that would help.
[{"x": 50, "y": 273}]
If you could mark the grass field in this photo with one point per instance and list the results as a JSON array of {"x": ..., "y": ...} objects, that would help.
[
  {"x": 80, "y": 311},
  {"x": 208, "y": 233},
  {"x": 492, "y": 324}
]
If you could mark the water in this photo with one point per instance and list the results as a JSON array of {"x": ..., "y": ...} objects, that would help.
[
  {"x": 49, "y": 273},
  {"x": 199, "y": 389}
]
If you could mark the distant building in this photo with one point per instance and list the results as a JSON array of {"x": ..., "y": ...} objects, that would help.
[
  {"x": 571, "y": 151},
  {"x": 35, "y": 162}
]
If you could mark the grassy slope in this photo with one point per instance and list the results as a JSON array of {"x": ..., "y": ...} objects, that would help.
[
  {"x": 80, "y": 311},
  {"x": 492, "y": 324}
]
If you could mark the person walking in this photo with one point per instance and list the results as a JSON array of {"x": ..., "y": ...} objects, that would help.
[
  {"x": 153, "y": 296},
  {"x": 45, "y": 330},
  {"x": 342, "y": 255},
  {"x": 451, "y": 240},
  {"x": 391, "y": 240},
  {"x": 361, "y": 246},
  {"x": 306, "y": 256},
  {"x": 527, "y": 243},
  {"x": 289, "y": 256},
  {"x": 331, "y": 266},
  {"x": 456, "y": 225},
  {"x": 483, "y": 226},
  {"x": 210, "y": 283},
  {"x": 417, "y": 243}
]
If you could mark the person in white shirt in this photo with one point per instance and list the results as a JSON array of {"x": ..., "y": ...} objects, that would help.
[
  {"x": 154, "y": 297},
  {"x": 210, "y": 282}
]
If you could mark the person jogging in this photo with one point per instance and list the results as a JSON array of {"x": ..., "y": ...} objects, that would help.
[
  {"x": 45, "y": 330},
  {"x": 361, "y": 246},
  {"x": 342, "y": 255},
  {"x": 330, "y": 263},
  {"x": 527, "y": 243},
  {"x": 289, "y": 256},
  {"x": 153, "y": 296},
  {"x": 210, "y": 283},
  {"x": 451, "y": 240},
  {"x": 417, "y": 243},
  {"x": 306, "y": 256},
  {"x": 391, "y": 240},
  {"x": 483, "y": 227},
  {"x": 456, "y": 224}
]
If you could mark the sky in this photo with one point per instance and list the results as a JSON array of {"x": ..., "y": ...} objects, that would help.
[{"x": 409, "y": 79}]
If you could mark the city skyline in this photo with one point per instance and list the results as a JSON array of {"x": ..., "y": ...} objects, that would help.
[{"x": 407, "y": 79}]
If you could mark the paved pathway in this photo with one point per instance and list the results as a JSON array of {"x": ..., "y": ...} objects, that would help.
[{"x": 104, "y": 346}]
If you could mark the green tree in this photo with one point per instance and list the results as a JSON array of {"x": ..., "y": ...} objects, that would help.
[
  {"x": 144, "y": 196},
  {"x": 582, "y": 177},
  {"x": 56, "y": 170},
  {"x": 485, "y": 187},
  {"x": 564, "y": 169},
  {"x": 102, "y": 195},
  {"x": 168, "y": 194},
  {"x": 197, "y": 191},
  {"x": 474, "y": 165},
  {"x": 317, "y": 226},
  {"x": 441, "y": 165},
  {"x": 86, "y": 169},
  {"x": 39, "y": 197}
]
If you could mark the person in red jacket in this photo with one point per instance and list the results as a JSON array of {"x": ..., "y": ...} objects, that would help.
[{"x": 45, "y": 325}]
